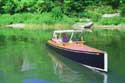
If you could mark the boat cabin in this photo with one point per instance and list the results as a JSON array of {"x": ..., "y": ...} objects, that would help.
[{"x": 67, "y": 35}]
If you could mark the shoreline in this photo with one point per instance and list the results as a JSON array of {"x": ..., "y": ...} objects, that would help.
[
  {"x": 109, "y": 26},
  {"x": 59, "y": 26}
]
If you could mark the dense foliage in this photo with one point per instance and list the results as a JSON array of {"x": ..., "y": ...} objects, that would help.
[
  {"x": 68, "y": 7},
  {"x": 61, "y": 11},
  {"x": 123, "y": 10}
]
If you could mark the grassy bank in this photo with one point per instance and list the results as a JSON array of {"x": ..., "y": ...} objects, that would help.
[
  {"x": 49, "y": 19},
  {"x": 30, "y": 18},
  {"x": 118, "y": 20}
]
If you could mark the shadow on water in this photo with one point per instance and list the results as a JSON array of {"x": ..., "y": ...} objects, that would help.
[{"x": 2, "y": 40}]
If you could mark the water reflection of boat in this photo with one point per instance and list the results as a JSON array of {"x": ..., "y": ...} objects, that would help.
[
  {"x": 77, "y": 51},
  {"x": 65, "y": 70},
  {"x": 58, "y": 65}
]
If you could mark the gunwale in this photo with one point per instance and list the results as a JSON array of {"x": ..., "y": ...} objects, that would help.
[{"x": 77, "y": 47}]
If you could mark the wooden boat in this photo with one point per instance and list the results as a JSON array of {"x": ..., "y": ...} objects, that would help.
[{"x": 78, "y": 51}]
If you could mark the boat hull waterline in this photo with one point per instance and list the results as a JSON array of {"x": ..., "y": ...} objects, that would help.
[{"x": 93, "y": 60}]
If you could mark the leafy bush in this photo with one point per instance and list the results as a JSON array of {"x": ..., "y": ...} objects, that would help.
[
  {"x": 109, "y": 21},
  {"x": 57, "y": 13},
  {"x": 74, "y": 7},
  {"x": 101, "y": 9},
  {"x": 123, "y": 11},
  {"x": 94, "y": 16},
  {"x": 5, "y": 19},
  {"x": 95, "y": 12},
  {"x": 44, "y": 18},
  {"x": 123, "y": 20}
]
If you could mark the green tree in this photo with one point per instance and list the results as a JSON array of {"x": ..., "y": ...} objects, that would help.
[
  {"x": 8, "y": 6},
  {"x": 57, "y": 13},
  {"x": 74, "y": 7},
  {"x": 68, "y": 7},
  {"x": 24, "y": 5}
]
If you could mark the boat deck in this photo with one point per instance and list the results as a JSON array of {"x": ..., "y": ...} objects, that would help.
[{"x": 77, "y": 46}]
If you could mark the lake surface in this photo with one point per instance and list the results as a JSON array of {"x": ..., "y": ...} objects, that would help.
[{"x": 33, "y": 62}]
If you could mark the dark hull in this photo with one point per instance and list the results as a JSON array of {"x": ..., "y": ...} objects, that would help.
[{"x": 84, "y": 58}]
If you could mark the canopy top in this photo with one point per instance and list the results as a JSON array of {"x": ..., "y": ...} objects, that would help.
[{"x": 66, "y": 31}]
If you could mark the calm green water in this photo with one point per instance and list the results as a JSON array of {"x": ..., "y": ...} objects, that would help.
[{"x": 33, "y": 62}]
